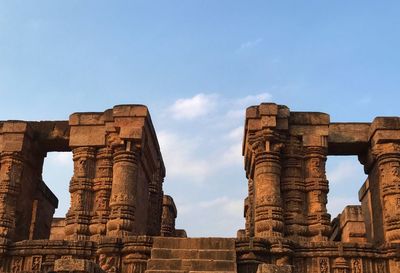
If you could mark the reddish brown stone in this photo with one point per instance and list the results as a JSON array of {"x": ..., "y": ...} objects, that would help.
[{"x": 120, "y": 221}]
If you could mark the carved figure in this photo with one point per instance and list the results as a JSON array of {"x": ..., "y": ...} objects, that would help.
[
  {"x": 16, "y": 265},
  {"x": 357, "y": 266},
  {"x": 108, "y": 264},
  {"x": 323, "y": 266},
  {"x": 36, "y": 263}
]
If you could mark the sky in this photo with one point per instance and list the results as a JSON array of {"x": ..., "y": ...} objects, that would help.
[{"x": 197, "y": 64}]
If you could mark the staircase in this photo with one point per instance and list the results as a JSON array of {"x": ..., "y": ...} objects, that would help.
[{"x": 192, "y": 255}]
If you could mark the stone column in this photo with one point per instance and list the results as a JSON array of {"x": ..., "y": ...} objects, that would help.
[
  {"x": 268, "y": 205},
  {"x": 249, "y": 210},
  {"x": 317, "y": 192},
  {"x": 155, "y": 204},
  {"x": 136, "y": 252},
  {"x": 293, "y": 189},
  {"x": 102, "y": 185},
  {"x": 388, "y": 160},
  {"x": 10, "y": 186},
  {"x": 123, "y": 193},
  {"x": 78, "y": 215}
]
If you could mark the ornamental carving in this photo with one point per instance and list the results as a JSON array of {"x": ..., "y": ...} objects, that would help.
[{"x": 108, "y": 264}]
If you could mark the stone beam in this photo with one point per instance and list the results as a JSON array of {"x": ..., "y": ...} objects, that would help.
[{"x": 348, "y": 138}]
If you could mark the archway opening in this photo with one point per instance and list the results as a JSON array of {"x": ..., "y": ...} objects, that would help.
[
  {"x": 57, "y": 172},
  {"x": 346, "y": 176}
]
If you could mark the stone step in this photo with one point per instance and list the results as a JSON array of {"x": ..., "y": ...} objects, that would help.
[
  {"x": 166, "y": 271},
  {"x": 191, "y": 264},
  {"x": 216, "y": 254},
  {"x": 194, "y": 243},
  {"x": 212, "y": 272},
  {"x": 183, "y": 271}
]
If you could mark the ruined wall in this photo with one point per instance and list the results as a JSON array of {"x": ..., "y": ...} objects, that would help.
[
  {"x": 118, "y": 208},
  {"x": 285, "y": 154},
  {"x": 116, "y": 190}
]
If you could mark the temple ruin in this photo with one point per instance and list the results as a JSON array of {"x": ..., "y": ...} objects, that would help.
[{"x": 120, "y": 221}]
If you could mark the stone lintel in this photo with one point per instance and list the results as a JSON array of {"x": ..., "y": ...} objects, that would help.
[
  {"x": 52, "y": 135},
  {"x": 348, "y": 138},
  {"x": 309, "y": 118}
]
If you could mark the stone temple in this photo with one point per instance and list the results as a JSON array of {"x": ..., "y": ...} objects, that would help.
[{"x": 120, "y": 221}]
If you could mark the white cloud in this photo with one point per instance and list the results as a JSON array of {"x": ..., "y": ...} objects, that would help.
[
  {"x": 345, "y": 171},
  {"x": 251, "y": 44},
  {"x": 254, "y": 99},
  {"x": 180, "y": 157},
  {"x": 236, "y": 134},
  {"x": 224, "y": 216},
  {"x": 59, "y": 158},
  {"x": 194, "y": 107}
]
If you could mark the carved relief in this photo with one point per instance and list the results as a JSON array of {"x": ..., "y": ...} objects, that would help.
[
  {"x": 17, "y": 264},
  {"x": 36, "y": 263},
  {"x": 316, "y": 168},
  {"x": 323, "y": 265},
  {"x": 356, "y": 266},
  {"x": 108, "y": 264}
]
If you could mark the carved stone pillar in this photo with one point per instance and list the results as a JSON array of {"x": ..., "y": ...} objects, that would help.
[
  {"x": 293, "y": 189},
  {"x": 249, "y": 210},
  {"x": 78, "y": 215},
  {"x": 136, "y": 252},
  {"x": 268, "y": 205},
  {"x": 123, "y": 193},
  {"x": 155, "y": 204},
  {"x": 317, "y": 192},
  {"x": 10, "y": 187},
  {"x": 102, "y": 185},
  {"x": 388, "y": 160}
]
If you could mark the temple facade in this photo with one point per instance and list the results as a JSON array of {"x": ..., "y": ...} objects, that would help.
[{"x": 120, "y": 221}]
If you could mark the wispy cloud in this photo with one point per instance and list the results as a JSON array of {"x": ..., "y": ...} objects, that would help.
[
  {"x": 194, "y": 107},
  {"x": 207, "y": 156},
  {"x": 250, "y": 44},
  {"x": 224, "y": 216}
]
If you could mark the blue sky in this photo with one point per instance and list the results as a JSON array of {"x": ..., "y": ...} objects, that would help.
[{"x": 197, "y": 65}]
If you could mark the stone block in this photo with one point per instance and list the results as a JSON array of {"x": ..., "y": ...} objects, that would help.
[
  {"x": 309, "y": 118},
  {"x": 136, "y": 110},
  {"x": 93, "y": 118},
  {"x": 87, "y": 136},
  {"x": 268, "y": 109}
]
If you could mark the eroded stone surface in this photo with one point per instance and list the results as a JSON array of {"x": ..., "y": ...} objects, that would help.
[{"x": 118, "y": 207}]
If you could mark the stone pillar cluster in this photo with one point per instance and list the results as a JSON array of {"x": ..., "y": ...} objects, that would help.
[
  {"x": 109, "y": 170},
  {"x": 285, "y": 155},
  {"x": 382, "y": 163},
  {"x": 11, "y": 167}
]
